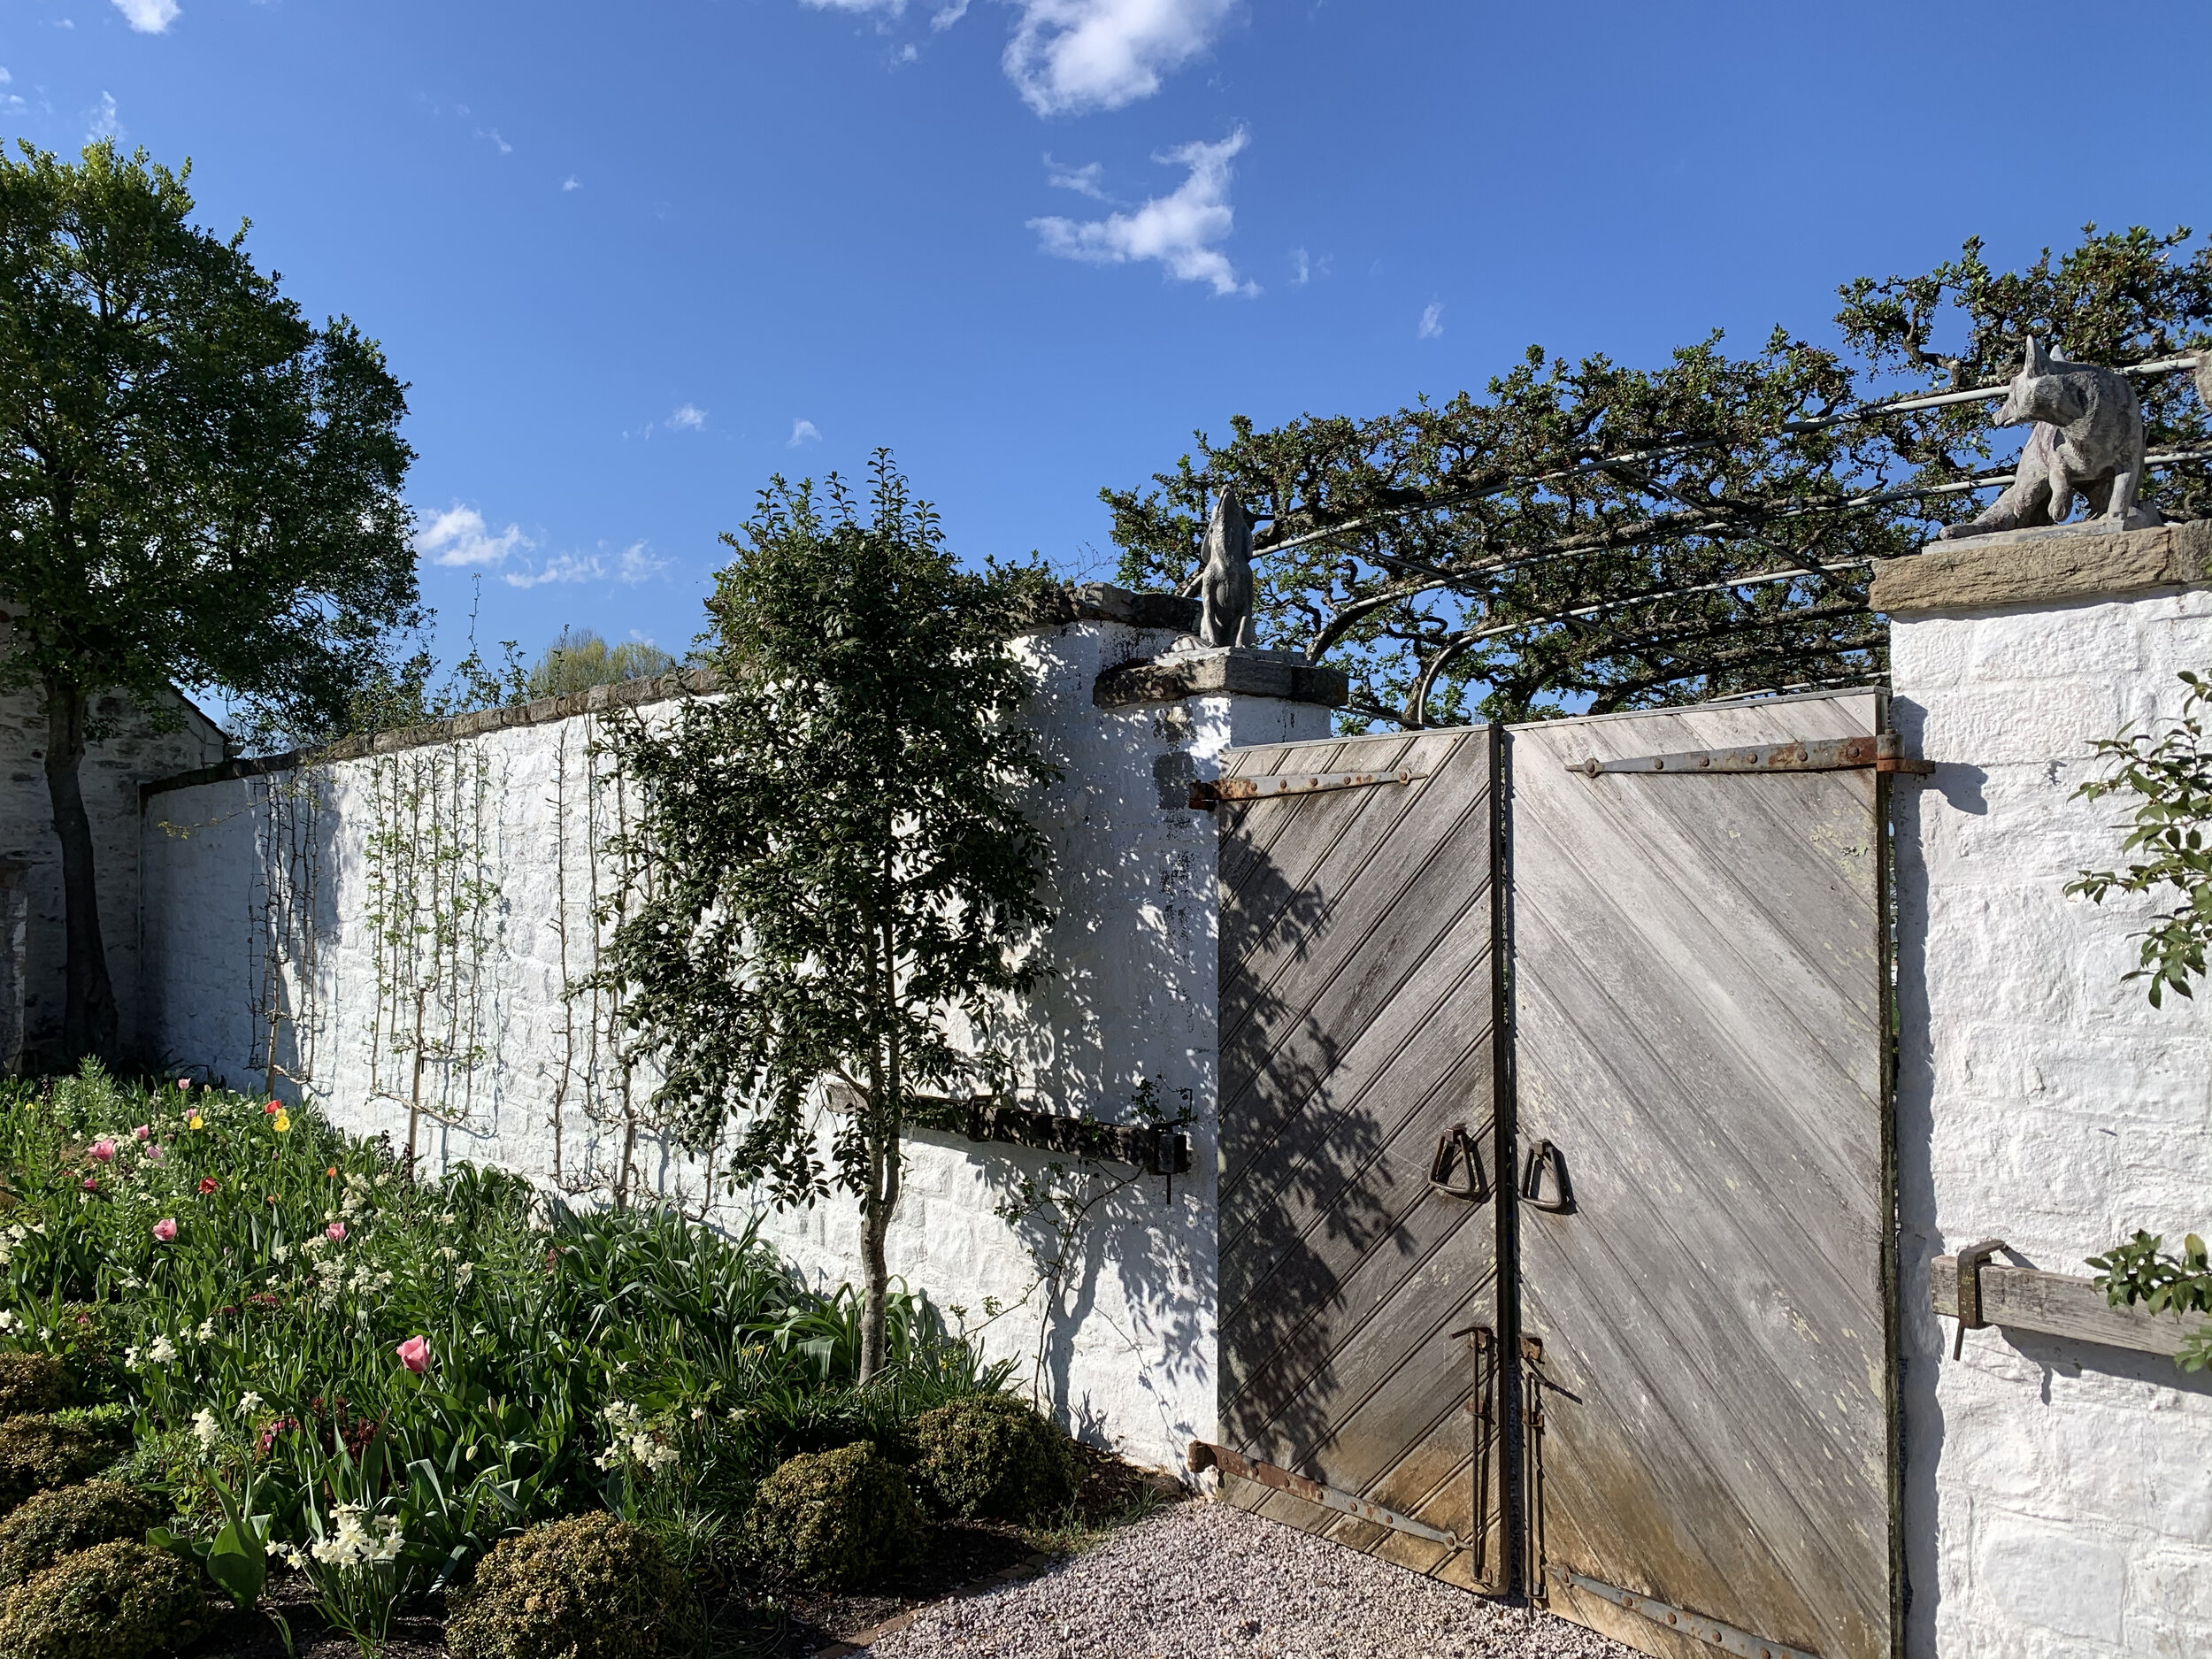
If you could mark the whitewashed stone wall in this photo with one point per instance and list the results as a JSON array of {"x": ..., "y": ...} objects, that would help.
[
  {"x": 32, "y": 950},
  {"x": 1130, "y": 1353},
  {"x": 2058, "y": 1494}
]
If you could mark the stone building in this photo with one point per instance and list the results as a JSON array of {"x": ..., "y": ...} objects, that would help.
[{"x": 140, "y": 749}]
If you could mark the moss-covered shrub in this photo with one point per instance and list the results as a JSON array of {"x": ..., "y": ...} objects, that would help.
[
  {"x": 37, "y": 1454},
  {"x": 836, "y": 1518},
  {"x": 51, "y": 1524},
  {"x": 991, "y": 1456},
  {"x": 589, "y": 1588},
  {"x": 34, "y": 1383},
  {"x": 117, "y": 1601}
]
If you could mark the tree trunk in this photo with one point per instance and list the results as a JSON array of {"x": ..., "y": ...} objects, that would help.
[
  {"x": 875, "y": 1224},
  {"x": 88, "y": 1016}
]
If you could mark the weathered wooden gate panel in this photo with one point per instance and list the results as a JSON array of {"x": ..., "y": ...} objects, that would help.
[
  {"x": 1700, "y": 995},
  {"x": 1357, "y": 1015}
]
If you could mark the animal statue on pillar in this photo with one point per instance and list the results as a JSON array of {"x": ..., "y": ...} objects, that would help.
[
  {"x": 1224, "y": 582},
  {"x": 2088, "y": 441}
]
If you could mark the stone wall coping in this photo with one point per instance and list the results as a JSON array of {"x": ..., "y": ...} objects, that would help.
[
  {"x": 1221, "y": 671},
  {"x": 1982, "y": 573},
  {"x": 1085, "y": 601}
]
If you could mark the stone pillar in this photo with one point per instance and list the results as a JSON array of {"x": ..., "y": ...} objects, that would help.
[{"x": 2058, "y": 1494}]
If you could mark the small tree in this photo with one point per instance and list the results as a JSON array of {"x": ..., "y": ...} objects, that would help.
[
  {"x": 832, "y": 862},
  {"x": 196, "y": 487}
]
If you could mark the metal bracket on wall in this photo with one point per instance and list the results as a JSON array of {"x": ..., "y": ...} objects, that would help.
[
  {"x": 1971, "y": 1261},
  {"x": 1727, "y": 1638},
  {"x": 1883, "y": 752}
]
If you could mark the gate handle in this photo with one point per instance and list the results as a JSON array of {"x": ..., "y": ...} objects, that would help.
[
  {"x": 1542, "y": 1156},
  {"x": 1455, "y": 1143}
]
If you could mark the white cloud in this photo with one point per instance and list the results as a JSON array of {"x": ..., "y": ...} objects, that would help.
[
  {"x": 1433, "y": 321},
  {"x": 636, "y": 564},
  {"x": 100, "y": 120},
  {"x": 459, "y": 536},
  {"x": 1072, "y": 55},
  {"x": 571, "y": 183},
  {"x": 4, "y": 76},
  {"x": 950, "y": 15},
  {"x": 148, "y": 17},
  {"x": 803, "y": 432},
  {"x": 895, "y": 8},
  {"x": 505, "y": 148},
  {"x": 1181, "y": 230},
  {"x": 562, "y": 567},
  {"x": 1083, "y": 180},
  {"x": 689, "y": 417}
]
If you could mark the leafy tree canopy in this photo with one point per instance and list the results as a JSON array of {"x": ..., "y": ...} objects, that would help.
[
  {"x": 198, "y": 486},
  {"x": 1589, "y": 534},
  {"x": 580, "y": 660},
  {"x": 832, "y": 871}
]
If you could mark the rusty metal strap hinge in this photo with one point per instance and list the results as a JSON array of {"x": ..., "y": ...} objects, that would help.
[
  {"x": 1205, "y": 1455},
  {"x": 1206, "y": 797},
  {"x": 1698, "y": 1627},
  {"x": 1884, "y": 752}
]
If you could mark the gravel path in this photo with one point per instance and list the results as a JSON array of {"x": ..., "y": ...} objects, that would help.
[{"x": 1208, "y": 1581}]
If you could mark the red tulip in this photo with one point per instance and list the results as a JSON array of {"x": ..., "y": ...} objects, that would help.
[{"x": 207, "y": 1184}]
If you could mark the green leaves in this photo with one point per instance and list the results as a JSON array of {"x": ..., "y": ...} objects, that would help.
[
  {"x": 2168, "y": 772},
  {"x": 2139, "y": 1272},
  {"x": 1696, "y": 529}
]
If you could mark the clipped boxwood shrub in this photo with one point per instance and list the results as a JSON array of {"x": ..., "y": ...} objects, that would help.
[
  {"x": 34, "y": 1383},
  {"x": 988, "y": 1455},
  {"x": 37, "y": 1454},
  {"x": 589, "y": 1588},
  {"x": 835, "y": 1519},
  {"x": 117, "y": 1601},
  {"x": 51, "y": 1524}
]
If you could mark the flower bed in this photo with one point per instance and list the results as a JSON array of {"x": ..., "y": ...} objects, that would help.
[{"x": 309, "y": 1359}]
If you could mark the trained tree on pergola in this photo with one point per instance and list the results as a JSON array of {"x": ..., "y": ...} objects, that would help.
[
  {"x": 833, "y": 869},
  {"x": 197, "y": 488}
]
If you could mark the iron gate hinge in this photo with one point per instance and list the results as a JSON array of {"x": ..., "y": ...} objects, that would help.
[
  {"x": 1883, "y": 752},
  {"x": 1206, "y": 797},
  {"x": 1727, "y": 1638},
  {"x": 1205, "y": 1455}
]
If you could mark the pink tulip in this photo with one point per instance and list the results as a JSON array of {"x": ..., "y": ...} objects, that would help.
[
  {"x": 336, "y": 1232},
  {"x": 414, "y": 1354},
  {"x": 142, "y": 1131},
  {"x": 104, "y": 1149},
  {"x": 166, "y": 1229},
  {"x": 91, "y": 1185},
  {"x": 154, "y": 1154},
  {"x": 184, "y": 1083}
]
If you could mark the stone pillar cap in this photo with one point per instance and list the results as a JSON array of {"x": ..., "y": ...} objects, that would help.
[{"x": 2046, "y": 568}]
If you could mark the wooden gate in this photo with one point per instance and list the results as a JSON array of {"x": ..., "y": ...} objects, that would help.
[
  {"x": 1693, "y": 1428},
  {"x": 1358, "y": 987},
  {"x": 1700, "y": 993}
]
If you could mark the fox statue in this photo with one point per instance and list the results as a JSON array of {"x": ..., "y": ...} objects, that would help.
[
  {"x": 1224, "y": 585},
  {"x": 2088, "y": 440}
]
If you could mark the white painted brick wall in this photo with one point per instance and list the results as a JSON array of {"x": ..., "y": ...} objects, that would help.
[
  {"x": 2058, "y": 1494},
  {"x": 1132, "y": 1354}
]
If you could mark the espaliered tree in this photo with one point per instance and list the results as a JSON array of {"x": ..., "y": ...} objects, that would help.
[
  {"x": 832, "y": 867},
  {"x": 198, "y": 488},
  {"x": 1595, "y": 535}
]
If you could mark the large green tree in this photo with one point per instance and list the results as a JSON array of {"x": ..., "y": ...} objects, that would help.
[
  {"x": 834, "y": 881},
  {"x": 1591, "y": 534},
  {"x": 198, "y": 488}
]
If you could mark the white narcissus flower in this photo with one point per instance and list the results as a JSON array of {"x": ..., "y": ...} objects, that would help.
[
  {"x": 161, "y": 1351},
  {"x": 206, "y": 1332},
  {"x": 203, "y": 1429},
  {"x": 252, "y": 1403}
]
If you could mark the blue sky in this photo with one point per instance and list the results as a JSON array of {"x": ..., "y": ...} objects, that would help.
[{"x": 635, "y": 258}]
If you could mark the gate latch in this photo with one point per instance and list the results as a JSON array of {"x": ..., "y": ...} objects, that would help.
[
  {"x": 1537, "y": 1158},
  {"x": 1970, "y": 1261},
  {"x": 1455, "y": 1145}
]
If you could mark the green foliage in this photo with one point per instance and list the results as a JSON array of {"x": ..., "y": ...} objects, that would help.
[
  {"x": 996, "y": 1456},
  {"x": 37, "y": 1454},
  {"x": 34, "y": 1383},
  {"x": 2170, "y": 773},
  {"x": 62, "y": 1522},
  {"x": 835, "y": 1519},
  {"x": 579, "y": 659},
  {"x": 2139, "y": 1270},
  {"x": 1627, "y": 536},
  {"x": 116, "y": 1601},
  {"x": 834, "y": 860},
  {"x": 589, "y": 1588},
  {"x": 255, "y": 1355}
]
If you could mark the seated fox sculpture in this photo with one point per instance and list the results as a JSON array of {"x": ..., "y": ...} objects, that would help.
[
  {"x": 1225, "y": 583},
  {"x": 2088, "y": 441}
]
